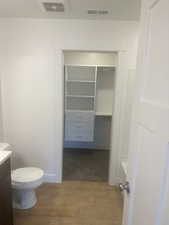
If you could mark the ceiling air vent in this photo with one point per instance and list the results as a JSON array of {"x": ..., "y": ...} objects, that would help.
[
  {"x": 97, "y": 12},
  {"x": 54, "y": 6},
  {"x": 92, "y": 12},
  {"x": 103, "y": 12}
]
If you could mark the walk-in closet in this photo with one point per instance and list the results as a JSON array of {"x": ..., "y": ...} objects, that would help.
[{"x": 89, "y": 83}]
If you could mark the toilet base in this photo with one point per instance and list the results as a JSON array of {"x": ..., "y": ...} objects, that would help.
[{"x": 24, "y": 199}]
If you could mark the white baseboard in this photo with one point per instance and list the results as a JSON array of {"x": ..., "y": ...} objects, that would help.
[{"x": 51, "y": 178}]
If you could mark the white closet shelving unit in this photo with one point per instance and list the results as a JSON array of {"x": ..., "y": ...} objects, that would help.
[
  {"x": 80, "y": 90},
  {"x": 80, "y": 101},
  {"x": 87, "y": 95}
]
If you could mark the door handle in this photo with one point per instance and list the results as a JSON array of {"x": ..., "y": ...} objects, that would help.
[{"x": 125, "y": 187}]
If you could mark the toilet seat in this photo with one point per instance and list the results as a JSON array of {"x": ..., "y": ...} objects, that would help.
[{"x": 28, "y": 177}]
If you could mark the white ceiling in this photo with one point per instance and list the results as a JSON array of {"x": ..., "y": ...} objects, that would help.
[{"x": 119, "y": 9}]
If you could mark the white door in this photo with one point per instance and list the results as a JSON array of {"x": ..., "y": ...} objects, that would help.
[{"x": 148, "y": 172}]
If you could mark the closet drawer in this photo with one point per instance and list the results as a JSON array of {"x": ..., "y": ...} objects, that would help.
[
  {"x": 75, "y": 131},
  {"x": 79, "y": 116},
  {"x": 79, "y": 127},
  {"x": 74, "y": 122},
  {"x": 79, "y": 124},
  {"x": 79, "y": 137}
]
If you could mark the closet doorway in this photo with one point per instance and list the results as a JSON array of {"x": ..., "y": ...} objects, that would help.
[{"x": 89, "y": 89}]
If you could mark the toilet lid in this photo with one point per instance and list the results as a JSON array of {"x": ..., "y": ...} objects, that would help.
[{"x": 27, "y": 174}]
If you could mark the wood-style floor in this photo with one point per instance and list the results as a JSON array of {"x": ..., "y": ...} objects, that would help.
[{"x": 74, "y": 203}]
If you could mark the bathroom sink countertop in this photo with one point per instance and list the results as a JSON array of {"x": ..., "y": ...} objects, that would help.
[
  {"x": 4, "y": 155},
  {"x": 4, "y": 146}
]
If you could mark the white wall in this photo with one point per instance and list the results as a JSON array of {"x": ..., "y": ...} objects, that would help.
[
  {"x": 105, "y": 91},
  {"x": 32, "y": 101},
  {"x": 90, "y": 58}
]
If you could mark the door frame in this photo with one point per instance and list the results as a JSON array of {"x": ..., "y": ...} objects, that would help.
[{"x": 116, "y": 151}]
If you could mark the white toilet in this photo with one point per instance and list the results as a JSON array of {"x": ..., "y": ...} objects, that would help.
[{"x": 24, "y": 182}]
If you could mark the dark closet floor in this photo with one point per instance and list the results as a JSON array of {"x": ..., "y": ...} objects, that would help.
[{"x": 85, "y": 165}]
